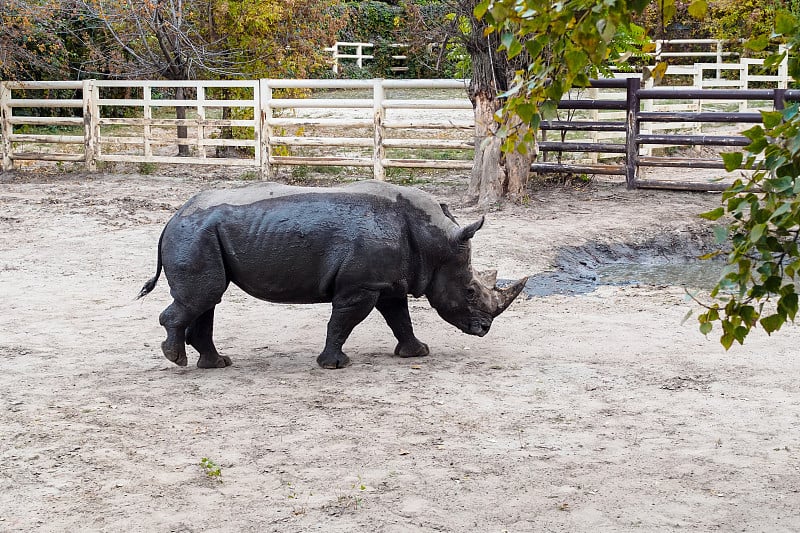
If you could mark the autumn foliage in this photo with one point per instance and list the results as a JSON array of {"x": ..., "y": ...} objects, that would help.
[{"x": 170, "y": 39}]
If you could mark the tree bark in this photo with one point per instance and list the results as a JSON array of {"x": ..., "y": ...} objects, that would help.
[
  {"x": 495, "y": 175},
  {"x": 488, "y": 174},
  {"x": 518, "y": 165},
  {"x": 183, "y": 131}
]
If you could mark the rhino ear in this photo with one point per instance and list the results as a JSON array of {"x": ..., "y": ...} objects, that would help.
[
  {"x": 447, "y": 213},
  {"x": 467, "y": 232}
]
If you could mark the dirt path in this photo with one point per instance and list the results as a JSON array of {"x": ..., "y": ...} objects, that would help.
[{"x": 591, "y": 412}]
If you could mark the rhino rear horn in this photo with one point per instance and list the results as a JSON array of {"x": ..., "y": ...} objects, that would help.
[
  {"x": 467, "y": 232},
  {"x": 507, "y": 295}
]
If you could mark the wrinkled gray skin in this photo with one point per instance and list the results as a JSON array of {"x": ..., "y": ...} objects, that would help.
[{"x": 361, "y": 247}]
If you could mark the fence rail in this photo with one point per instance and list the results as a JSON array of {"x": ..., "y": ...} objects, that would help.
[
  {"x": 258, "y": 124},
  {"x": 253, "y": 123}
]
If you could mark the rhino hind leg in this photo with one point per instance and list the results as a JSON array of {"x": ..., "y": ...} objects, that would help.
[
  {"x": 199, "y": 335},
  {"x": 395, "y": 312},
  {"x": 175, "y": 319},
  {"x": 348, "y": 311}
]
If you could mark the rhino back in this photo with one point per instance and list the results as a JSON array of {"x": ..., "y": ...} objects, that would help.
[
  {"x": 293, "y": 244},
  {"x": 420, "y": 201}
]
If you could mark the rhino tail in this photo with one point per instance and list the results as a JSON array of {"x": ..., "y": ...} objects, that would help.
[{"x": 151, "y": 283}]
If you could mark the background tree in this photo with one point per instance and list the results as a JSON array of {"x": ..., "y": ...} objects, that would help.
[
  {"x": 274, "y": 39},
  {"x": 35, "y": 41},
  {"x": 159, "y": 39},
  {"x": 277, "y": 38},
  {"x": 496, "y": 174}
]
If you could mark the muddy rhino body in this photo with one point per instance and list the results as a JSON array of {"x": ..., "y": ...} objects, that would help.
[{"x": 360, "y": 247}]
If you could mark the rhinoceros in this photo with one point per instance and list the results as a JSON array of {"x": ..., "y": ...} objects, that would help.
[{"x": 361, "y": 246}]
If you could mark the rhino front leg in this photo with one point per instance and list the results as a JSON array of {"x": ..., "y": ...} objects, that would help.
[
  {"x": 348, "y": 311},
  {"x": 199, "y": 334},
  {"x": 395, "y": 312}
]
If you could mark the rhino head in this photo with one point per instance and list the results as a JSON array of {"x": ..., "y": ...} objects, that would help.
[{"x": 465, "y": 298}]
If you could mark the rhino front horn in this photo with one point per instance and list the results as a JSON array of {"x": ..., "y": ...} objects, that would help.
[{"x": 507, "y": 295}]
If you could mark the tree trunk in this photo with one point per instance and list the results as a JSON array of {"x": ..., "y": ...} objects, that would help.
[
  {"x": 226, "y": 132},
  {"x": 183, "y": 131},
  {"x": 518, "y": 165},
  {"x": 488, "y": 174},
  {"x": 495, "y": 175}
]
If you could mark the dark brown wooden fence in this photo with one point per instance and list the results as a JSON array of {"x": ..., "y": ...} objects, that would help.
[{"x": 631, "y": 159}]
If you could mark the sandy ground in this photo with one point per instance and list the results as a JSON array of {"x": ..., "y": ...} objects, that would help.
[{"x": 598, "y": 411}]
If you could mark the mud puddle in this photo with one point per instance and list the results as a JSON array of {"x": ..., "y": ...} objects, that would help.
[{"x": 668, "y": 260}]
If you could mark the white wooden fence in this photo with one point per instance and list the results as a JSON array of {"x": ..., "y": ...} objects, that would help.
[
  {"x": 373, "y": 129},
  {"x": 377, "y": 124},
  {"x": 343, "y": 51}
]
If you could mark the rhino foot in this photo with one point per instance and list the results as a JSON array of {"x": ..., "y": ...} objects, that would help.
[
  {"x": 218, "y": 361},
  {"x": 333, "y": 360},
  {"x": 414, "y": 348},
  {"x": 175, "y": 354}
]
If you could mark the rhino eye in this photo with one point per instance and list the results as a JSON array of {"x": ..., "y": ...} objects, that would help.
[{"x": 472, "y": 294}]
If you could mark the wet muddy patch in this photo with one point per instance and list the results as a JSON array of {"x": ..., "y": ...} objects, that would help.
[{"x": 664, "y": 260}]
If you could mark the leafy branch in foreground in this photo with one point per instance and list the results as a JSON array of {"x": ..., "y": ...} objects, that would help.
[
  {"x": 567, "y": 43},
  {"x": 758, "y": 286}
]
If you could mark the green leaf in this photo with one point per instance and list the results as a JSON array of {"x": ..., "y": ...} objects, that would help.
[
  {"x": 548, "y": 109},
  {"x": 525, "y": 111},
  {"x": 507, "y": 39},
  {"x": 732, "y": 160},
  {"x": 726, "y": 340},
  {"x": 757, "y": 232},
  {"x": 710, "y": 255},
  {"x": 714, "y": 214},
  {"x": 758, "y": 145},
  {"x": 698, "y": 9},
  {"x": 575, "y": 60},
  {"x": 772, "y": 323},
  {"x": 739, "y": 333},
  {"x": 706, "y": 327},
  {"x": 480, "y": 9},
  {"x": 757, "y": 43},
  {"x": 721, "y": 234},
  {"x": 668, "y": 10},
  {"x": 756, "y": 132},
  {"x": 771, "y": 118},
  {"x": 785, "y": 23},
  {"x": 788, "y": 305}
]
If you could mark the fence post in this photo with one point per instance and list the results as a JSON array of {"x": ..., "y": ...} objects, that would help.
[
  {"x": 147, "y": 115},
  {"x": 779, "y": 99},
  {"x": 378, "y": 115},
  {"x": 5, "y": 128},
  {"x": 201, "y": 119},
  {"x": 783, "y": 68},
  {"x": 264, "y": 110},
  {"x": 631, "y": 132},
  {"x": 91, "y": 125}
]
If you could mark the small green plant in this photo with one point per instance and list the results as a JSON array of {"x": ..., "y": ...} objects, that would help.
[
  {"x": 354, "y": 500},
  {"x": 105, "y": 166},
  {"x": 147, "y": 168},
  {"x": 300, "y": 173},
  {"x": 211, "y": 469},
  {"x": 250, "y": 175},
  {"x": 302, "y": 506}
]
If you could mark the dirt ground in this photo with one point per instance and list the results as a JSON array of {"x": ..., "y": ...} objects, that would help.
[{"x": 593, "y": 411}]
